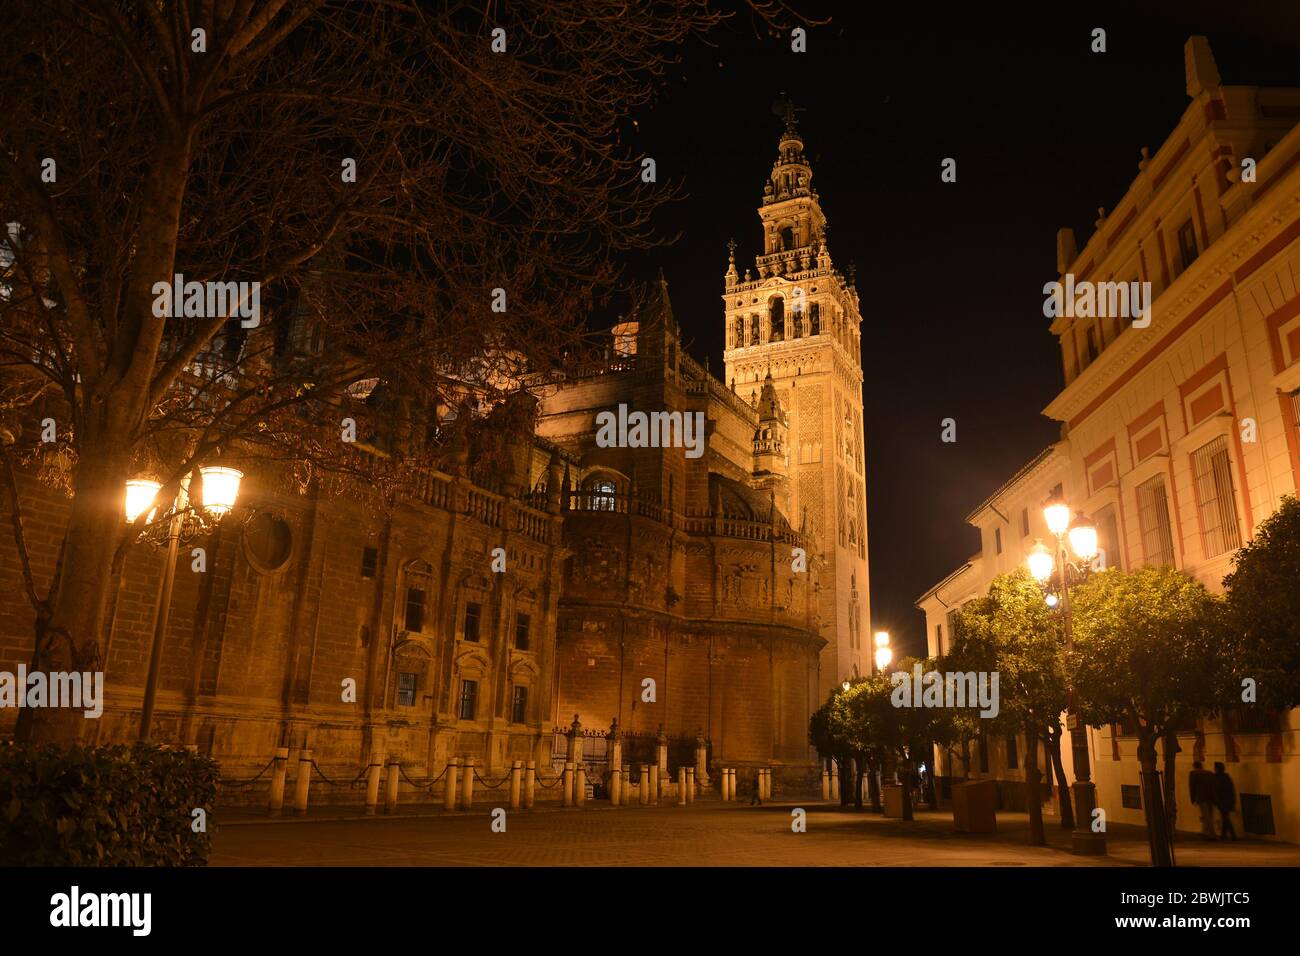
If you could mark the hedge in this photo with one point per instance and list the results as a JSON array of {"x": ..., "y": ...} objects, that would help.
[{"x": 103, "y": 806}]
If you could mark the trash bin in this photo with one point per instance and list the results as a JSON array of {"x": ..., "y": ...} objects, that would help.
[
  {"x": 892, "y": 798},
  {"x": 974, "y": 806}
]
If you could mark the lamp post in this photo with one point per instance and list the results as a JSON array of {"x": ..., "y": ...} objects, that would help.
[
  {"x": 884, "y": 654},
  {"x": 219, "y": 493},
  {"x": 1082, "y": 536}
]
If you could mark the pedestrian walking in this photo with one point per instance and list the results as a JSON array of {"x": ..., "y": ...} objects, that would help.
[
  {"x": 754, "y": 797},
  {"x": 1225, "y": 797},
  {"x": 1200, "y": 782}
]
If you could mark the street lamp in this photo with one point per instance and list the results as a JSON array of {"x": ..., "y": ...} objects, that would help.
[
  {"x": 219, "y": 493},
  {"x": 220, "y": 488},
  {"x": 140, "y": 493},
  {"x": 883, "y": 652},
  {"x": 1081, "y": 533}
]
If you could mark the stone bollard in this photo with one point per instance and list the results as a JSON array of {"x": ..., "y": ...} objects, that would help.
[
  {"x": 516, "y": 775},
  {"x": 731, "y": 784},
  {"x": 616, "y": 775},
  {"x": 467, "y": 785},
  {"x": 449, "y": 790},
  {"x": 826, "y": 785},
  {"x": 654, "y": 784},
  {"x": 726, "y": 784},
  {"x": 644, "y": 785},
  {"x": 767, "y": 783},
  {"x": 690, "y": 784},
  {"x": 580, "y": 785},
  {"x": 394, "y": 781},
  {"x": 372, "y": 782},
  {"x": 835, "y": 785},
  {"x": 681, "y": 786},
  {"x": 278, "y": 773},
  {"x": 530, "y": 783},
  {"x": 567, "y": 786},
  {"x": 701, "y": 759},
  {"x": 303, "y": 781}
]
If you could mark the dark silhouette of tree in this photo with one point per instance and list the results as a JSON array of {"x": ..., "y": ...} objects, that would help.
[{"x": 431, "y": 209}]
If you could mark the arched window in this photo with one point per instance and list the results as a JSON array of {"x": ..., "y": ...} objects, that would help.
[
  {"x": 787, "y": 238},
  {"x": 815, "y": 319},
  {"x": 796, "y": 320},
  {"x": 753, "y": 330},
  {"x": 776, "y": 310},
  {"x": 740, "y": 332},
  {"x": 600, "y": 494}
]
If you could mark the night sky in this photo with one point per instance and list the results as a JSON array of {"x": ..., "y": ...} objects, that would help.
[{"x": 950, "y": 276}]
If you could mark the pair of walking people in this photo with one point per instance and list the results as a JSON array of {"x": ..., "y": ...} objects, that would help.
[{"x": 1211, "y": 791}]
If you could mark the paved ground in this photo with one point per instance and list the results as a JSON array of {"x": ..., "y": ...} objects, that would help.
[{"x": 704, "y": 834}]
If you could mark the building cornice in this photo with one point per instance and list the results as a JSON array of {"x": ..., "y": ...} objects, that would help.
[{"x": 1212, "y": 271}]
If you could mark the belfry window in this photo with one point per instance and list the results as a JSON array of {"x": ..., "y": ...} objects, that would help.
[
  {"x": 815, "y": 319},
  {"x": 753, "y": 330},
  {"x": 776, "y": 310}
]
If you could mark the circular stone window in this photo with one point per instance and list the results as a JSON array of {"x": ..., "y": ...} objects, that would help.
[{"x": 268, "y": 542}]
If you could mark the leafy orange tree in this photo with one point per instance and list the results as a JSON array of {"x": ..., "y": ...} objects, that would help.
[
  {"x": 429, "y": 196},
  {"x": 1150, "y": 651},
  {"x": 1012, "y": 632}
]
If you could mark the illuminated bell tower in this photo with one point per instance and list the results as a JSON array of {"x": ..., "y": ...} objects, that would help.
[{"x": 795, "y": 317}]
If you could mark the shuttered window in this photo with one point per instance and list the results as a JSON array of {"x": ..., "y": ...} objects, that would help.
[
  {"x": 1153, "y": 519},
  {"x": 1214, "y": 498}
]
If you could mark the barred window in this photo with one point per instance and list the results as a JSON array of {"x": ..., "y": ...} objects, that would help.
[
  {"x": 519, "y": 705},
  {"x": 1214, "y": 498},
  {"x": 468, "y": 699},
  {"x": 1153, "y": 519},
  {"x": 522, "y": 623},
  {"x": 406, "y": 689},
  {"x": 1295, "y": 410}
]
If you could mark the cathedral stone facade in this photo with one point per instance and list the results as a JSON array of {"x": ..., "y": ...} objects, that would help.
[{"x": 711, "y": 595}]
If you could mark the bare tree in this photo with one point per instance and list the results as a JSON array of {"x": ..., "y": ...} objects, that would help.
[{"x": 430, "y": 197}]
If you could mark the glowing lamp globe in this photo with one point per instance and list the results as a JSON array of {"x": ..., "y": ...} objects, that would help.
[
  {"x": 882, "y": 638},
  {"x": 1057, "y": 515},
  {"x": 140, "y": 493},
  {"x": 1052, "y": 600},
  {"x": 1083, "y": 537},
  {"x": 220, "y": 488},
  {"x": 883, "y": 656},
  {"x": 1040, "y": 562}
]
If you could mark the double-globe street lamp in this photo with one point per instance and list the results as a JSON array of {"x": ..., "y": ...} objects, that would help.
[
  {"x": 219, "y": 491},
  {"x": 884, "y": 654},
  {"x": 1081, "y": 534}
]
